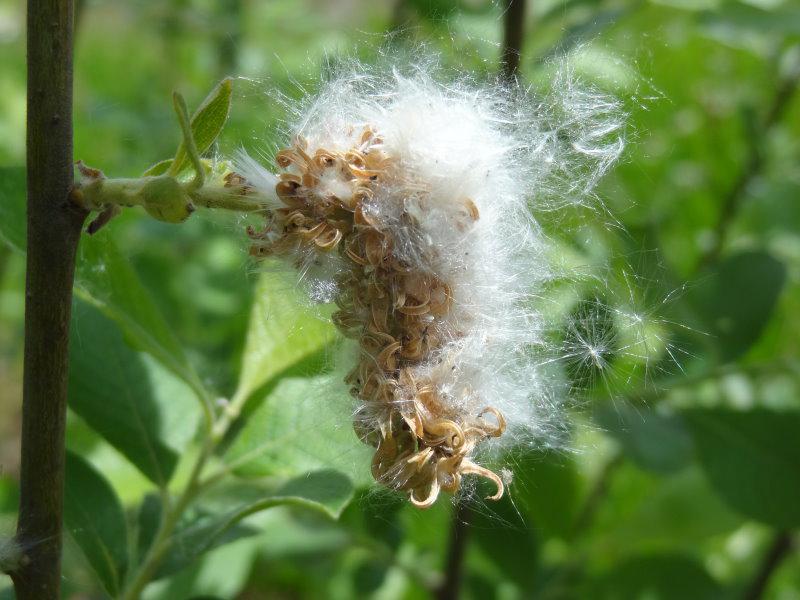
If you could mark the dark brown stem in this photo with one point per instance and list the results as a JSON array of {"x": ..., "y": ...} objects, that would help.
[
  {"x": 54, "y": 228},
  {"x": 781, "y": 548},
  {"x": 459, "y": 532},
  {"x": 752, "y": 168},
  {"x": 513, "y": 32}
]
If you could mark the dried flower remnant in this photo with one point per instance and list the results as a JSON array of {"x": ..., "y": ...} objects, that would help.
[
  {"x": 396, "y": 312},
  {"x": 411, "y": 198}
]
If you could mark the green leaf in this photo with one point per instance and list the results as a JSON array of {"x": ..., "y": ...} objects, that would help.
[
  {"x": 641, "y": 511},
  {"x": 94, "y": 517},
  {"x": 752, "y": 459},
  {"x": 199, "y": 532},
  {"x": 283, "y": 331},
  {"x": 655, "y": 441},
  {"x": 207, "y": 123},
  {"x": 159, "y": 168},
  {"x": 657, "y": 576},
  {"x": 219, "y": 520},
  {"x": 12, "y": 207},
  {"x": 106, "y": 279},
  {"x": 303, "y": 424},
  {"x": 148, "y": 520},
  {"x": 139, "y": 407},
  {"x": 546, "y": 489},
  {"x": 737, "y": 299},
  {"x": 217, "y": 575}
]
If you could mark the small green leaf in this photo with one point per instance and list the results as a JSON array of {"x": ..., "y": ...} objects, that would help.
[
  {"x": 207, "y": 123},
  {"x": 655, "y": 441},
  {"x": 12, "y": 207},
  {"x": 737, "y": 299},
  {"x": 303, "y": 424},
  {"x": 283, "y": 331},
  {"x": 752, "y": 459},
  {"x": 94, "y": 517},
  {"x": 219, "y": 520},
  {"x": 127, "y": 397},
  {"x": 159, "y": 168}
]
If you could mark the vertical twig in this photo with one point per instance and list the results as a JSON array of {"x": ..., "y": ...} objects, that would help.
[
  {"x": 753, "y": 165},
  {"x": 53, "y": 231},
  {"x": 594, "y": 500},
  {"x": 454, "y": 568},
  {"x": 513, "y": 32},
  {"x": 781, "y": 547}
]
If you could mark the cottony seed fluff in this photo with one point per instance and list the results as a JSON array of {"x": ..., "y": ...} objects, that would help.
[{"x": 412, "y": 199}]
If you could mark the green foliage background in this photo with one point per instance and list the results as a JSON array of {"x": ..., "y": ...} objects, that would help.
[{"x": 685, "y": 473}]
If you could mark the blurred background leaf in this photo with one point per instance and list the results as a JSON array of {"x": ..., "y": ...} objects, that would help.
[
  {"x": 751, "y": 458},
  {"x": 93, "y": 515}
]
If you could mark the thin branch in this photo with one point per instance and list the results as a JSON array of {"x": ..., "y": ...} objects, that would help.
[
  {"x": 459, "y": 534},
  {"x": 753, "y": 165},
  {"x": 782, "y": 546},
  {"x": 54, "y": 227},
  {"x": 513, "y": 34},
  {"x": 598, "y": 493}
]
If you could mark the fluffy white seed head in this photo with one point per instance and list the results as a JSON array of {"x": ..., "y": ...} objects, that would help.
[{"x": 470, "y": 165}]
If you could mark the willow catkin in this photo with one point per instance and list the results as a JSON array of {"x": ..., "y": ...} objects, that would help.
[{"x": 411, "y": 198}]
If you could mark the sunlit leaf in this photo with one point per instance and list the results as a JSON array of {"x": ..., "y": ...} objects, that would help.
[
  {"x": 303, "y": 424},
  {"x": 207, "y": 122},
  {"x": 283, "y": 331},
  {"x": 127, "y": 397}
]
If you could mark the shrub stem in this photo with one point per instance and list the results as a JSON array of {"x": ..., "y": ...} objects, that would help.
[{"x": 54, "y": 226}]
